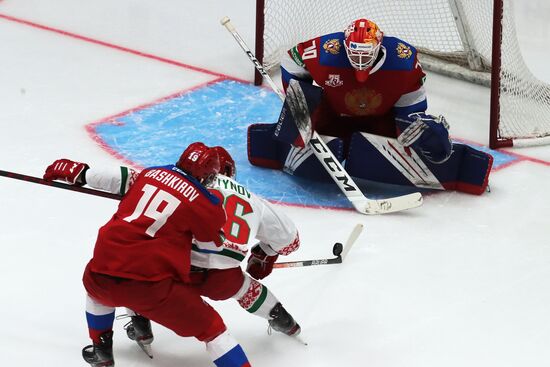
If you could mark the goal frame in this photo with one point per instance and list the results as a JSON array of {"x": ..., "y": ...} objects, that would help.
[{"x": 495, "y": 140}]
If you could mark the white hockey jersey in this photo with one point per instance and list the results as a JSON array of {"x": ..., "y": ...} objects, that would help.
[{"x": 250, "y": 219}]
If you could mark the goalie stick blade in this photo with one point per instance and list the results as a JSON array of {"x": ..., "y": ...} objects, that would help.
[
  {"x": 389, "y": 205},
  {"x": 352, "y": 191}
]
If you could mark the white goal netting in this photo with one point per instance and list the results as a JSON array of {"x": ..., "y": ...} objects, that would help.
[{"x": 453, "y": 36}]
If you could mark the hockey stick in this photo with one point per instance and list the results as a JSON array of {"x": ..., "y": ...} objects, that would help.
[
  {"x": 344, "y": 181},
  {"x": 338, "y": 250},
  {"x": 59, "y": 185}
]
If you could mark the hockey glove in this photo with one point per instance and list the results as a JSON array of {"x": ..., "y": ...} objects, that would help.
[
  {"x": 427, "y": 135},
  {"x": 66, "y": 170},
  {"x": 260, "y": 264}
]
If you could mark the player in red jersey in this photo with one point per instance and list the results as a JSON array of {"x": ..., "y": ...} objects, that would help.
[
  {"x": 252, "y": 223},
  {"x": 141, "y": 258},
  {"x": 369, "y": 92},
  {"x": 216, "y": 270}
]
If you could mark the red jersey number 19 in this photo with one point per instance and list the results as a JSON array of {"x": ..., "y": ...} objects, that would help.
[{"x": 149, "y": 205}]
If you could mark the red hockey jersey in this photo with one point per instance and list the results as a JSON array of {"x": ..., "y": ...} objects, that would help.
[{"x": 149, "y": 237}]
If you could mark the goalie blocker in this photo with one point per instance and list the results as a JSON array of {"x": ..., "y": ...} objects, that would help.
[{"x": 373, "y": 157}]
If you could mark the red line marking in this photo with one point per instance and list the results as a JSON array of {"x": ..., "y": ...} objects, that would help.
[
  {"x": 90, "y": 128},
  {"x": 522, "y": 157},
  {"x": 116, "y": 47},
  {"x": 519, "y": 157}
]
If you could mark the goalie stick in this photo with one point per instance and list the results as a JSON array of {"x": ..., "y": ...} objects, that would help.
[
  {"x": 338, "y": 250},
  {"x": 60, "y": 185},
  {"x": 344, "y": 181}
]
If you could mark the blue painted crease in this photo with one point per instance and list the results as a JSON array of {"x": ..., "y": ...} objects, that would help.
[{"x": 219, "y": 114}]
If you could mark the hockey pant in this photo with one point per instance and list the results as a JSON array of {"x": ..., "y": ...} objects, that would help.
[{"x": 175, "y": 305}]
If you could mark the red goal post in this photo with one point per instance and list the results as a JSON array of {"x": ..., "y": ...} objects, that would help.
[{"x": 460, "y": 38}]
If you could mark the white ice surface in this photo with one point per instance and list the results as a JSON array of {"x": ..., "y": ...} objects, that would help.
[{"x": 462, "y": 281}]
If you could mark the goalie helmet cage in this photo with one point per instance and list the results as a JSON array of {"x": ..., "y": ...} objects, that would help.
[{"x": 453, "y": 37}]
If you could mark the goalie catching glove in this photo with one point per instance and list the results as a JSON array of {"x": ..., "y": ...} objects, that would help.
[
  {"x": 67, "y": 170},
  {"x": 427, "y": 135},
  {"x": 260, "y": 264}
]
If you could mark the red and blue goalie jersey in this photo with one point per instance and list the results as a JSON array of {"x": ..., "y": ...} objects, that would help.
[{"x": 394, "y": 86}]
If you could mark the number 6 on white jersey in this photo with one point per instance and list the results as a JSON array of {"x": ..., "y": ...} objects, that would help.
[{"x": 149, "y": 204}]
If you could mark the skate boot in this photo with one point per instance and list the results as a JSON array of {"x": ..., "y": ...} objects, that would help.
[
  {"x": 282, "y": 321},
  {"x": 139, "y": 330},
  {"x": 100, "y": 355}
]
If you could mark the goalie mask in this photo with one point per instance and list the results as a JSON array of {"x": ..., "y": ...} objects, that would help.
[
  {"x": 227, "y": 164},
  {"x": 363, "y": 40},
  {"x": 201, "y": 162}
]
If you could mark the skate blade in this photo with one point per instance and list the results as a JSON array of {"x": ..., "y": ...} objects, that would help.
[
  {"x": 299, "y": 339},
  {"x": 296, "y": 336},
  {"x": 146, "y": 348}
]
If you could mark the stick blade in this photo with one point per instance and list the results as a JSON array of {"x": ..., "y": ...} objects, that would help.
[
  {"x": 389, "y": 205},
  {"x": 351, "y": 240}
]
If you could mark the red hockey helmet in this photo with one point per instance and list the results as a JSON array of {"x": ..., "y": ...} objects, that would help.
[
  {"x": 362, "y": 42},
  {"x": 227, "y": 164},
  {"x": 200, "y": 161}
]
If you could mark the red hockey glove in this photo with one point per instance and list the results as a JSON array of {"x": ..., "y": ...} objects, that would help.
[
  {"x": 66, "y": 170},
  {"x": 260, "y": 264}
]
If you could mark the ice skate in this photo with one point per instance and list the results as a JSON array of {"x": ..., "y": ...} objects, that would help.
[
  {"x": 282, "y": 321},
  {"x": 100, "y": 355},
  {"x": 139, "y": 330}
]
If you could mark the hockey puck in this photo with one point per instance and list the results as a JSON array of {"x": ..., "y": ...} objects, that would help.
[{"x": 337, "y": 249}]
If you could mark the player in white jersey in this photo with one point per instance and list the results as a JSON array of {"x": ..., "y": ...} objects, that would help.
[
  {"x": 250, "y": 219},
  {"x": 216, "y": 271}
]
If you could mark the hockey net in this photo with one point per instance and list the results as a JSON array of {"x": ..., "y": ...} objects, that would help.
[{"x": 453, "y": 37}]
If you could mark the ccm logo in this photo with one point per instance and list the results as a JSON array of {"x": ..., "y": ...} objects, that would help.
[{"x": 332, "y": 165}]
